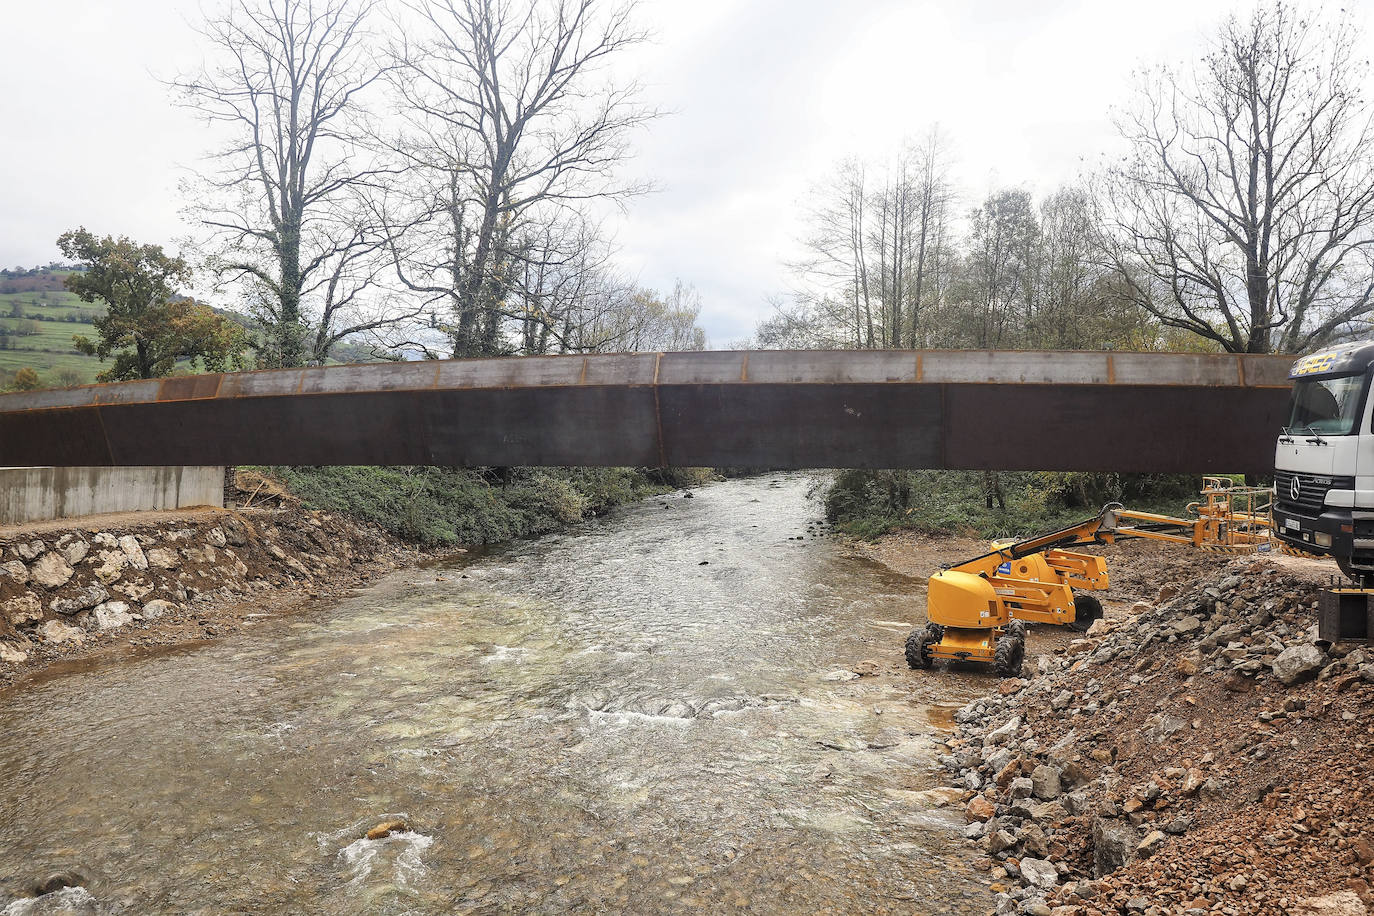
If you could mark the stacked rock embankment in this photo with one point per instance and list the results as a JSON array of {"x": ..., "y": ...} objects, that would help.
[
  {"x": 1204, "y": 754},
  {"x": 65, "y": 590}
]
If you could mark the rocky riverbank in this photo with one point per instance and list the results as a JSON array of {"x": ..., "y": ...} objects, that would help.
[
  {"x": 1203, "y": 752},
  {"x": 68, "y": 589}
]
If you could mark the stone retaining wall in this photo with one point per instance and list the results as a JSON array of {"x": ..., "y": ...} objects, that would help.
[{"x": 65, "y": 585}]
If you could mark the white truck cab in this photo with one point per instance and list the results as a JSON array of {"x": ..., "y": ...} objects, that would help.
[{"x": 1324, "y": 461}]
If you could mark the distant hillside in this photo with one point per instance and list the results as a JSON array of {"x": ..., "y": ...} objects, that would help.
[{"x": 38, "y": 319}]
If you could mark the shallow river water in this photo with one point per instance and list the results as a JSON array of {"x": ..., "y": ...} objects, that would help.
[{"x": 645, "y": 714}]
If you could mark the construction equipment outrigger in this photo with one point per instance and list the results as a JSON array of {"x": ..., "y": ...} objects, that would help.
[{"x": 978, "y": 609}]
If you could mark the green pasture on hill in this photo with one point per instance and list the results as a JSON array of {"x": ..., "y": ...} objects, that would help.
[{"x": 50, "y": 350}]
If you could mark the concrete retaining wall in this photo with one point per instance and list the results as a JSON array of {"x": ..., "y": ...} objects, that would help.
[{"x": 38, "y": 494}]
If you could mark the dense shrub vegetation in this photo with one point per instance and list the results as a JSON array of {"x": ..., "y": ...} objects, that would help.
[
  {"x": 437, "y": 506},
  {"x": 872, "y": 503}
]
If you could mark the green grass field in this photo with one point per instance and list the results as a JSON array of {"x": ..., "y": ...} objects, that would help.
[{"x": 49, "y": 352}]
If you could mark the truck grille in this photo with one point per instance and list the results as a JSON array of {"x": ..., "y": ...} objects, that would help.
[{"x": 1311, "y": 491}]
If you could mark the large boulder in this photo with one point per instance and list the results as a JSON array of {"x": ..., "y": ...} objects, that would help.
[
  {"x": 30, "y": 550},
  {"x": 79, "y": 600},
  {"x": 163, "y": 558},
  {"x": 56, "y": 633},
  {"x": 1002, "y": 735},
  {"x": 112, "y": 615},
  {"x": 51, "y": 571},
  {"x": 1040, "y": 873},
  {"x": 23, "y": 609},
  {"x": 1114, "y": 845},
  {"x": 1298, "y": 663},
  {"x": 73, "y": 549},
  {"x": 14, "y": 570},
  {"x": 999, "y": 840},
  {"x": 157, "y": 608},
  {"x": 1045, "y": 782},
  {"x": 133, "y": 552}
]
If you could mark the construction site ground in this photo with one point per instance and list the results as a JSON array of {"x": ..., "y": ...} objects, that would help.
[{"x": 1176, "y": 770}]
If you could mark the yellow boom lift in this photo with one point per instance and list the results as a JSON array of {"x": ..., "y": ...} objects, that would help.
[{"x": 978, "y": 609}]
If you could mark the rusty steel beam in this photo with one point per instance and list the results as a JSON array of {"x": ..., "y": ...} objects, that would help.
[{"x": 995, "y": 410}]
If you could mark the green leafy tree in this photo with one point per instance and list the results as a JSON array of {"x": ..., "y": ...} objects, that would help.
[{"x": 147, "y": 327}]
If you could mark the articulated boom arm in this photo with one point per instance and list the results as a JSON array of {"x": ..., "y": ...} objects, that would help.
[{"x": 1099, "y": 530}]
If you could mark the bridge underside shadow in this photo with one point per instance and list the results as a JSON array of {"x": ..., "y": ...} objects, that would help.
[{"x": 915, "y": 409}]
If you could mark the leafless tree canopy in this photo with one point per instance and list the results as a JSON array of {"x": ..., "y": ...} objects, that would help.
[
  {"x": 422, "y": 180},
  {"x": 513, "y": 126},
  {"x": 1243, "y": 213}
]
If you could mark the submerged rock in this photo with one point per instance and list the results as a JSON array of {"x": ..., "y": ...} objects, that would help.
[
  {"x": 57, "y": 881},
  {"x": 387, "y": 827}
]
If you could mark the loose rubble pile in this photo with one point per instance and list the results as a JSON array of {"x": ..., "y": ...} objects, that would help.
[
  {"x": 1203, "y": 754},
  {"x": 75, "y": 588}
]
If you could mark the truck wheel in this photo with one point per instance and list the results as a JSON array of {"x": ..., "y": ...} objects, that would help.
[
  {"x": 1086, "y": 609},
  {"x": 919, "y": 642},
  {"x": 1006, "y": 661},
  {"x": 1017, "y": 628}
]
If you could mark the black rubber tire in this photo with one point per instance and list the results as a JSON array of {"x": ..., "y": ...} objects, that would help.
[
  {"x": 1011, "y": 652},
  {"x": 1017, "y": 628},
  {"x": 918, "y": 645},
  {"x": 1086, "y": 609}
]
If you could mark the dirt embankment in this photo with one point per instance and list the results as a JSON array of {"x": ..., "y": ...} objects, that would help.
[
  {"x": 1199, "y": 752},
  {"x": 86, "y": 585}
]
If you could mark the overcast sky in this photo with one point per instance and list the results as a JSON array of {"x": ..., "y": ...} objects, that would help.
[{"x": 763, "y": 97}]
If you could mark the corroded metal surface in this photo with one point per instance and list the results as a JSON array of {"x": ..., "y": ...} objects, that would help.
[{"x": 998, "y": 410}]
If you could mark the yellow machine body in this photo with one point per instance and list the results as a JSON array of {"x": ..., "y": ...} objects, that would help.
[
  {"x": 990, "y": 590},
  {"x": 966, "y": 645},
  {"x": 976, "y": 604}
]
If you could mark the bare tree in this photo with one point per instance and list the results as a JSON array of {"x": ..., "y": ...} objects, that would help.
[
  {"x": 513, "y": 117},
  {"x": 933, "y": 196},
  {"x": 835, "y": 268},
  {"x": 1243, "y": 213},
  {"x": 283, "y": 200},
  {"x": 1001, "y": 241}
]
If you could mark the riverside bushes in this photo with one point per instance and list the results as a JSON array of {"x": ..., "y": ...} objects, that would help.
[
  {"x": 436, "y": 506},
  {"x": 985, "y": 504}
]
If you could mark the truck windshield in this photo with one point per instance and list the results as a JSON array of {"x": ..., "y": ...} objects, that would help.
[{"x": 1329, "y": 406}]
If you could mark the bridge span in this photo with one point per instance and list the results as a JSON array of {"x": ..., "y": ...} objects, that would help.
[{"x": 995, "y": 410}]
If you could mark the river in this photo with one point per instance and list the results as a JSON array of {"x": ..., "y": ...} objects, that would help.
[{"x": 649, "y": 713}]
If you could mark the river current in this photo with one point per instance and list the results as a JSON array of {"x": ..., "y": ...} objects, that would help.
[{"x": 655, "y": 712}]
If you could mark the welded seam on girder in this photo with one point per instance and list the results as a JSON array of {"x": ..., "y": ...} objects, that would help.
[
  {"x": 658, "y": 416},
  {"x": 105, "y": 436}
]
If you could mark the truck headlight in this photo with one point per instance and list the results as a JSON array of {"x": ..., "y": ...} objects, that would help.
[{"x": 1321, "y": 539}]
